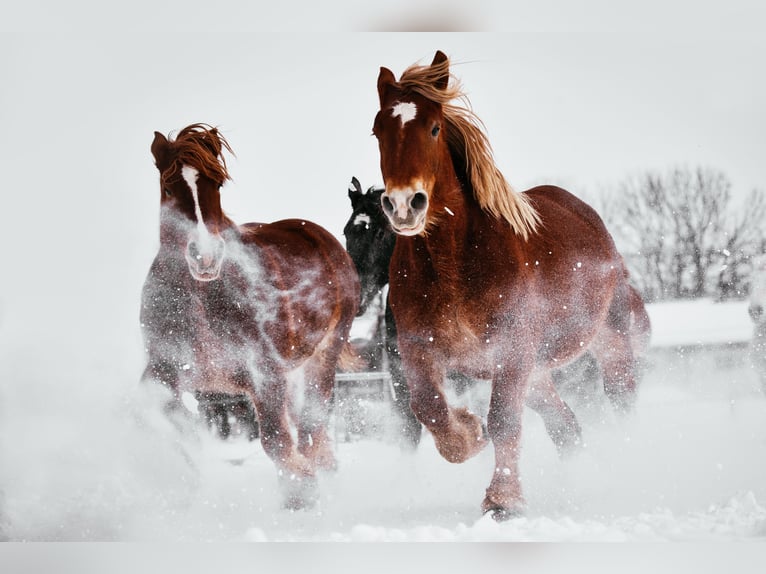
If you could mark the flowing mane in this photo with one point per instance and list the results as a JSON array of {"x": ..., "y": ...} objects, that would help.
[
  {"x": 201, "y": 147},
  {"x": 470, "y": 148}
]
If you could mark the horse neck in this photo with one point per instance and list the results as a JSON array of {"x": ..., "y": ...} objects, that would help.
[
  {"x": 445, "y": 246},
  {"x": 384, "y": 259},
  {"x": 373, "y": 273},
  {"x": 172, "y": 238},
  {"x": 453, "y": 208}
]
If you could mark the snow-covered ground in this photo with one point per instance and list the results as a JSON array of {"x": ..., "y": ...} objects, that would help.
[
  {"x": 86, "y": 455},
  {"x": 699, "y": 322}
]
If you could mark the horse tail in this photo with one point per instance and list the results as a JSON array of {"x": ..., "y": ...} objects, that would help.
[
  {"x": 349, "y": 360},
  {"x": 640, "y": 327},
  {"x": 640, "y": 324}
]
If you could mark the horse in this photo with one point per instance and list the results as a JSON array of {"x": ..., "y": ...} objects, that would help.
[
  {"x": 260, "y": 309},
  {"x": 755, "y": 308},
  {"x": 370, "y": 242},
  {"x": 494, "y": 283}
]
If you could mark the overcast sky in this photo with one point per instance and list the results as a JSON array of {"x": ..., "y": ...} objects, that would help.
[{"x": 578, "y": 98}]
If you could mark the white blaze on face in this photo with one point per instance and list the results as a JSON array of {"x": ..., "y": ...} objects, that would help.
[
  {"x": 190, "y": 176},
  {"x": 406, "y": 111},
  {"x": 204, "y": 237},
  {"x": 362, "y": 219},
  {"x": 207, "y": 247}
]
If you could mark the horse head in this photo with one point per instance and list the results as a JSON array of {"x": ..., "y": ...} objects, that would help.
[
  {"x": 412, "y": 142},
  {"x": 192, "y": 171},
  {"x": 369, "y": 241},
  {"x": 434, "y": 155}
]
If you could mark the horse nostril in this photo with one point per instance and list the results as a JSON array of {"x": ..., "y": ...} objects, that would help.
[
  {"x": 194, "y": 251},
  {"x": 388, "y": 207},
  {"x": 419, "y": 201}
]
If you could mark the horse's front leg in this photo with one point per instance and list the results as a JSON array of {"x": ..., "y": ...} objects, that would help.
[
  {"x": 509, "y": 388},
  {"x": 296, "y": 474},
  {"x": 162, "y": 371},
  {"x": 458, "y": 433},
  {"x": 313, "y": 419},
  {"x": 167, "y": 373},
  {"x": 411, "y": 429}
]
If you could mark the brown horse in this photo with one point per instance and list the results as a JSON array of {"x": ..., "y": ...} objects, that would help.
[
  {"x": 257, "y": 309},
  {"x": 489, "y": 282}
]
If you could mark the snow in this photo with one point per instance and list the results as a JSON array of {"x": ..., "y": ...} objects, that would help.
[
  {"x": 699, "y": 322},
  {"x": 86, "y": 454}
]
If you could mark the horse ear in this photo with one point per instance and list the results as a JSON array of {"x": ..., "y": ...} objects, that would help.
[
  {"x": 160, "y": 148},
  {"x": 355, "y": 189},
  {"x": 441, "y": 60},
  {"x": 386, "y": 81}
]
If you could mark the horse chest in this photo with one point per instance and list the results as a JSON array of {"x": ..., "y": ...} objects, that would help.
[{"x": 439, "y": 319}]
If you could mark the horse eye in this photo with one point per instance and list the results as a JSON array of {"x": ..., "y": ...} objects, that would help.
[
  {"x": 167, "y": 191},
  {"x": 435, "y": 130}
]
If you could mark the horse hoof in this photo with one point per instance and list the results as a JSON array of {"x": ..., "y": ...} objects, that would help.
[
  {"x": 299, "y": 494},
  {"x": 501, "y": 511},
  {"x": 297, "y": 502},
  {"x": 502, "y": 514},
  {"x": 570, "y": 447},
  {"x": 328, "y": 465},
  {"x": 409, "y": 439}
]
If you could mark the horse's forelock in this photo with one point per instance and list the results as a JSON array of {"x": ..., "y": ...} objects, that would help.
[
  {"x": 435, "y": 82},
  {"x": 201, "y": 146}
]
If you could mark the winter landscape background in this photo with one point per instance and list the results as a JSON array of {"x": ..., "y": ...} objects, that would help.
[{"x": 85, "y": 454}]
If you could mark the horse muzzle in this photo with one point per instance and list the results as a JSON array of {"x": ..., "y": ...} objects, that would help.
[
  {"x": 205, "y": 255},
  {"x": 406, "y": 209}
]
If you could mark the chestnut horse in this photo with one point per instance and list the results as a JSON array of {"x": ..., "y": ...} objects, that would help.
[
  {"x": 370, "y": 241},
  {"x": 257, "y": 309},
  {"x": 490, "y": 282}
]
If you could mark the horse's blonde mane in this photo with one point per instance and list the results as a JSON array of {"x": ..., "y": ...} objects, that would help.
[
  {"x": 468, "y": 143},
  {"x": 201, "y": 146}
]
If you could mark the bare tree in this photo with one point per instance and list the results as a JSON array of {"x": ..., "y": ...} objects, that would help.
[
  {"x": 746, "y": 239},
  {"x": 681, "y": 235}
]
